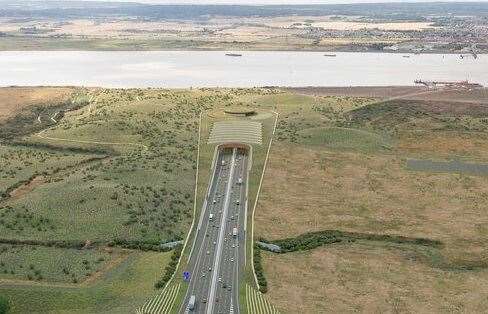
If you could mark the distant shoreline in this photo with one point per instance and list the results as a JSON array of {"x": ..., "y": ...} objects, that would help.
[{"x": 50, "y": 44}]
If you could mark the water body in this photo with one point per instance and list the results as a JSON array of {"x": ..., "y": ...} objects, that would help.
[
  {"x": 214, "y": 69},
  {"x": 454, "y": 166}
]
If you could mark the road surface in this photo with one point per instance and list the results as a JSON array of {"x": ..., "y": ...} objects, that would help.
[{"x": 218, "y": 257}]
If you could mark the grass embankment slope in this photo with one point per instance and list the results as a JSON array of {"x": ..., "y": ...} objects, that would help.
[{"x": 339, "y": 163}]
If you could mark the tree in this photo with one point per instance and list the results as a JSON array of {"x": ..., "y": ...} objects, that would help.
[{"x": 4, "y": 305}]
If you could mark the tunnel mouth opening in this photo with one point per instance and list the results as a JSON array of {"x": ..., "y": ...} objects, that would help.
[
  {"x": 240, "y": 112},
  {"x": 245, "y": 147}
]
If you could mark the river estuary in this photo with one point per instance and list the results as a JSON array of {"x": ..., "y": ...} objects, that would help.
[{"x": 214, "y": 69}]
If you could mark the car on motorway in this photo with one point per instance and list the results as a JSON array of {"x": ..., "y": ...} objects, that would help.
[{"x": 191, "y": 303}]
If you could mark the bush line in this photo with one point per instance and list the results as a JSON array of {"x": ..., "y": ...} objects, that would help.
[
  {"x": 139, "y": 245},
  {"x": 50, "y": 243},
  {"x": 170, "y": 268},
  {"x": 258, "y": 268},
  {"x": 76, "y": 150},
  {"x": 311, "y": 240},
  {"x": 75, "y": 244}
]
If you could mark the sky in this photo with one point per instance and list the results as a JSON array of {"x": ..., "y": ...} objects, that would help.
[{"x": 275, "y": 1}]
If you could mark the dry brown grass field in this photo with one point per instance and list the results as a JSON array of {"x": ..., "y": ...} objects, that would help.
[
  {"x": 327, "y": 180},
  {"x": 14, "y": 99},
  {"x": 370, "y": 278},
  {"x": 479, "y": 95}
]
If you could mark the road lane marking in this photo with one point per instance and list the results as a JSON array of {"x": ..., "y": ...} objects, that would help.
[
  {"x": 199, "y": 256},
  {"x": 211, "y": 299}
]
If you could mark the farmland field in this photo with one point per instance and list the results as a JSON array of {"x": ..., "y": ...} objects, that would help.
[{"x": 345, "y": 169}]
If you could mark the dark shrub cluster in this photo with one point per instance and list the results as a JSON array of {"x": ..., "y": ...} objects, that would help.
[
  {"x": 258, "y": 268},
  {"x": 170, "y": 268}
]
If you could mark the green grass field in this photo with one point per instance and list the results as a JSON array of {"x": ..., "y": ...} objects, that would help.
[
  {"x": 41, "y": 264},
  {"x": 343, "y": 139},
  {"x": 21, "y": 163},
  {"x": 121, "y": 290}
]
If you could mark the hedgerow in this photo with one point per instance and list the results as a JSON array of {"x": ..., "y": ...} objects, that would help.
[
  {"x": 170, "y": 268},
  {"x": 258, "y": 268}
]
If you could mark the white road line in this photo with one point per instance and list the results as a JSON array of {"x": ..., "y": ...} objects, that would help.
[
  {"x": 203, "y": 243},
  {"x": 211, "y": 299}
]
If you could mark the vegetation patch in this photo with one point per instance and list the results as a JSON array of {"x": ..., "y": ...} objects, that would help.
[
  {"x": 170, "y": 268},
  {"x": 258, "y": 268},
  {"x": 313, "y": 240},
  {"x": 22, "y": 164},
  {"x": 51, "y": 264},
  {"x": 39, "y": 116},
  {"x": 4, "y": 305},
  {"x": 344, "y": 139},
  {"x": 416, "y": 114},
  {"x": 121, "y": 289}
]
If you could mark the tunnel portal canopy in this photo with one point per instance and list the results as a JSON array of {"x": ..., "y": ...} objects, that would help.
[{"x": 236, "y": 131}]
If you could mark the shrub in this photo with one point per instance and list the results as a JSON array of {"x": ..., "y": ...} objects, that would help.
[
  {"x": 258, "y": 268},
  {"x": 4, "y": 305},
  {"x": 170, "y": 268}
]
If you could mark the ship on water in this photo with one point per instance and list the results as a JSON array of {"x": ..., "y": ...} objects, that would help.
[
  {"x": 330, "y": 55},
  {"x": 233, "y": 54}
]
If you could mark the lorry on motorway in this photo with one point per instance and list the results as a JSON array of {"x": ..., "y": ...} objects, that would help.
[
  {"x": 191, "y": 303},
  {"x": 210, "y": 217},
  {"x": 234, "y": 232}
]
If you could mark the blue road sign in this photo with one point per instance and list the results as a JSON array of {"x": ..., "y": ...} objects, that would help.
[{"x": 186, "y": 276}]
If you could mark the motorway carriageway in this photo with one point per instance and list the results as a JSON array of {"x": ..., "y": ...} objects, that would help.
[{"x": 217, "y": 257}]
